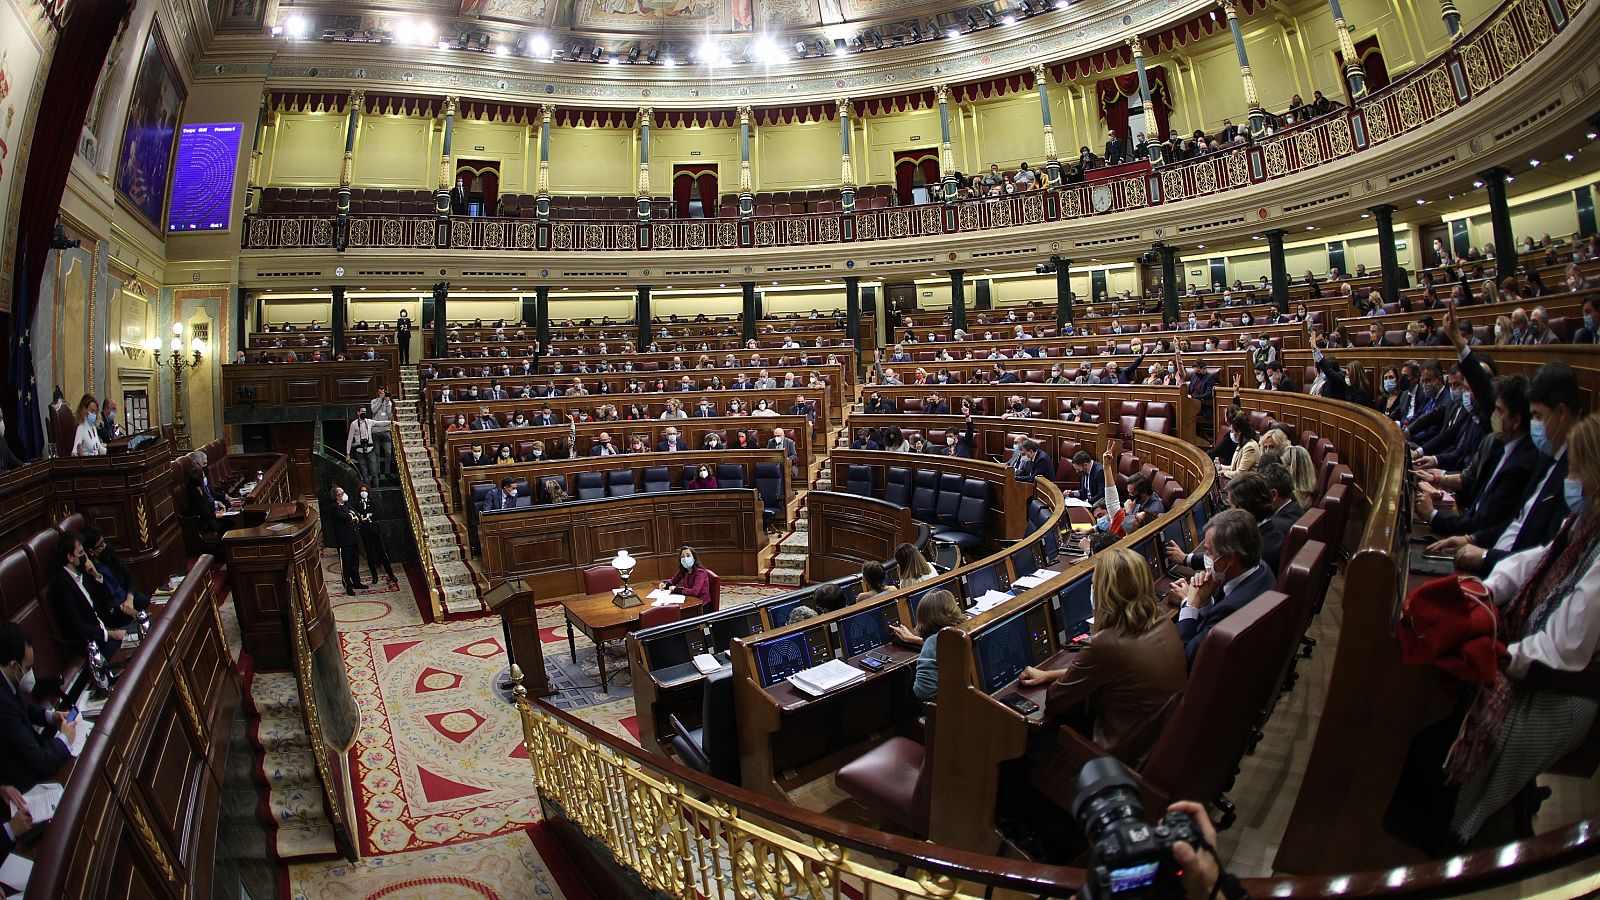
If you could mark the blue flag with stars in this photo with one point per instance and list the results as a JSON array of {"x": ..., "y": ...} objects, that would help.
[{"x": 29, "y": 426}]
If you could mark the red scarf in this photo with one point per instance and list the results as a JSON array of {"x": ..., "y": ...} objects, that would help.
[{"x": 1480, "y": 731}]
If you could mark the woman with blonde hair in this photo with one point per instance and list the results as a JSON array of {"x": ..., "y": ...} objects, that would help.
[
  {"x": 1273, "y": 440},
  {"x": 1301, "y": 470},
  {"x": 1502, "y": 331},
  {"x": 87, "y": 442},
  {"x": 936, "y": 611},
  {"x": 1132, "y": 671},
  {"x": 1520, "y": 724},
  {"x": 911, "y": 567}
]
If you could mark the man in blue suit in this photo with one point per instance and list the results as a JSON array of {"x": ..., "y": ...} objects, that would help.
[
  {"x": 1235, "y": 576},
  {"x": 1091, "y": 478},
  {"x": 33, "y": 742},
  {"x": 505, "y": 498}
]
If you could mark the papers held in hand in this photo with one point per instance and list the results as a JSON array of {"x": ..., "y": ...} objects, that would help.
[
  {"x": 81, "y": 738},
  {"x": 42, "y": 801},
  {"x": 830, "y": 676}
]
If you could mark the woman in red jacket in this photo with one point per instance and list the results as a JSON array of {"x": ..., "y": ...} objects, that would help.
[{"x": 692, "y": 579}]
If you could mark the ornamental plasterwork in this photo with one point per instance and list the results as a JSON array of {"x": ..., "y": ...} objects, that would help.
[{"x": 1105, "y": 32}]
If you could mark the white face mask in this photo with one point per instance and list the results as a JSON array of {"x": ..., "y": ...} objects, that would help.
[
  {"x": 363, "y": 495},
  {"x": 704, "y": 474},
  {"x": 1210, "y": 561},
  {"x": 27, "y": 682}
]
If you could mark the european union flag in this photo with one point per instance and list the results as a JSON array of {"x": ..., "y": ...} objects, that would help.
[{"x": 27, "y": 422}]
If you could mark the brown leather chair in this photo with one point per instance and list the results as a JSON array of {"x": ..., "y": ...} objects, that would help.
[
  {"x": 1303, "y": 582},
  {"x": 1234, "y": 675},
  {"x": 599, "y": 579},
  {"x": 895, "y": 778}
]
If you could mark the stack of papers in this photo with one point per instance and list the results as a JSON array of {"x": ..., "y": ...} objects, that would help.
[
  {"x": 76, "y": 747},
  {"x": 14, "y": 874},
  {"x": 830, "y": 676},
  {"x": 42, "y": 801},
  {"x": 1031, "y": 581},
  {"x": 705, "y": 663},
  {"x": 665, "y": 597},
  {"x": 1070, "y": 502},
  {"x": 988, "y": 601}
]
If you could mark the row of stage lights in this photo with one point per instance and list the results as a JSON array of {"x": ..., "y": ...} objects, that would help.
[{"x": 762, "y": 50}]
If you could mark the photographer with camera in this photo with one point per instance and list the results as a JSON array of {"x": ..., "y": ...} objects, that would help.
[
  {"x": 1130, "y": 857},
  {"x": 361, "y": 448}
]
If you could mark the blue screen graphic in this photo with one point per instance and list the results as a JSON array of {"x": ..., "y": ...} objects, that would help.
[
  {"x": 202, "y": 180},
  {"x": 865, "y": 630},
  {"x": 782, "y": 657},
  {"x": 1003, "y": 652}
]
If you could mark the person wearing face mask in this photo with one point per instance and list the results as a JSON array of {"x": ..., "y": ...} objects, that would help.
[
  {"x": 1589, "y": 333},
  {"x": 35, "y": 741},
  {"x": 110, "y": 426},
  {"x": 457, "y": 425},
  {"x": 603, "y": 446},
  {"x": 1520, "y": 724},
  {"x": 360, "y": 446},
  {"x": 347, "y": 538},
  {"x": 505, "y": 498},
  {"x": 87, "y": 441},
  {"x": 84, "y": 610},
  {"x": 704, "y": 479},
  {"x": 366, "y": 512},
  {"x": 1452, "y": 448},
  {"x": 126, "y": 604},
  {"x": 763, "y": 408},
  {"x": 504, "y": 457},
  {"x": 1491, "y": 490},
  {"x": 879, "y": 405},
  {"x": 691, "y": 579},
  {"x": 670, "y": 442},
  {"x": 1233, "y": 575}
]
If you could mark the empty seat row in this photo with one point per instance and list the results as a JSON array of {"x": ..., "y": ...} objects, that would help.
[{"x": 956, "y": 508}]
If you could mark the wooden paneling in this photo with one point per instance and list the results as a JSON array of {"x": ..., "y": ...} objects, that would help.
[
  {"x": 264, "y": 567},
  {"x": 848, "y": 531},
  {"x": 303, "y": 384}
]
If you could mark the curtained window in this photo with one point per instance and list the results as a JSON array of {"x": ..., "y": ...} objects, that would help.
[{"x": 1113, "y": 93}]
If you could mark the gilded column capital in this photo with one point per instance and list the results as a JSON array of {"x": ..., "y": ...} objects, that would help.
[
  {"x": 1039, "y": 74},
  {"x": 450, "y": 106},
  {"x": 1228, "y": 8},
  {"x": 1137, "y": 45},
  {"x": 358, "y": 99},
  {"x": 646, "y": 115},
  {"x": 746, "y": 115},
  {"x": 941, "y": 93},
  {"x": 547, "y": 114},
  {"x": 843, "y": 106}
]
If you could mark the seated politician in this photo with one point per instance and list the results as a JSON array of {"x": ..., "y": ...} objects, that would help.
[
  {"x": 1130, "y": 674},
  {"x": 691, "y": 579},
  {"x": 1234, "y": 575},
  {"x": 34, "y": 741}
]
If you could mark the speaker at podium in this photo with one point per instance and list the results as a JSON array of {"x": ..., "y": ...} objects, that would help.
[{"x": 512, "y": 600}]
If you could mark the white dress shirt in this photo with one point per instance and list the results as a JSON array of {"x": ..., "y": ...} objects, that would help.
[
  {"x": 87, "y": 441},
  {"x": 1568, "y": 638},
  {"x": 1508, "y": 538}
]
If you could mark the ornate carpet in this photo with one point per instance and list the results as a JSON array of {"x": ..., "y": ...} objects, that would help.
[
  {"x": 438, "y": 758},
  {"x": 515, "y": 866}
]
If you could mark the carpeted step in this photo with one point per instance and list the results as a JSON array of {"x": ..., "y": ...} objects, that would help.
[
  {"x": 275, "y": 695},
  {"x": 792, "y": 577}
]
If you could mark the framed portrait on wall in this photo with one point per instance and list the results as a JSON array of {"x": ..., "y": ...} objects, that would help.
[{"x": 144, "y": 161}]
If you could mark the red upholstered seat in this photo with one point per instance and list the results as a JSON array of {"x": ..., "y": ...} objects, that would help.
[
  {"x": 651, "y": 616},
  {"x": 894, "y": 778},
  {"x": 598, "y": 579}
]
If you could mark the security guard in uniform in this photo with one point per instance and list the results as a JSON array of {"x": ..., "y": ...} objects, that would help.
[
  {"x": 347, "y": 537},
  {"x": 372, "y": 535}
]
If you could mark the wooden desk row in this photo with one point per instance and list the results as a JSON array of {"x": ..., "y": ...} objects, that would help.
[
  {"x": 691, "y": 431},
  {"x": 1055, "y": 399},
  {"x": 653, "y": 403},
  {"x": 251, "y": 387}
]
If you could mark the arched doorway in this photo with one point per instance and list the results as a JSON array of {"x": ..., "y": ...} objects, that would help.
[
  {"x": 694, "y": 190},
  {"x": 915, "y": 169},
  {"x": 482, "y": 180}
]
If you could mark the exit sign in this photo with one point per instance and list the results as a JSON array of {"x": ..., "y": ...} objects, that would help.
[
  {"x": 916, "y": 137},
  {"x": 694, "y": 152}
]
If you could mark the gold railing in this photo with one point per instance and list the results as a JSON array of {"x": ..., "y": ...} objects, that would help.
[
  {"x": 686, "y": 843},
  {"x": 418, "y": 533}
]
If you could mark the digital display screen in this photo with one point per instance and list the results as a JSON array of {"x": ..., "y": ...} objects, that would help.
[
  {"x": 1173, "y": 533},
  {"x": 674, "y": 649},
  {"x": 1012, "y": 645},
  {"x": 913, "y": 599},
  {"x": 1202, "y": 512},
  {"x": 981, "y": 581},
  {"x": 202, "y": 179},
  {"x": 1023, "y": 561},
  {"x": 1050, "y": 546},
  {"x": 781, "y": 657},
  {"x": 1134, "y": 878},
  {"x": 723, "y": 631},
  {"x": 1077, "y": 607},
  {"x": 778, "y": 613},
  {"x": 866, "y": 630}
]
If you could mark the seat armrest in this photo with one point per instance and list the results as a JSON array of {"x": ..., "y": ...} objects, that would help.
[{"x": 688, "y": 741}]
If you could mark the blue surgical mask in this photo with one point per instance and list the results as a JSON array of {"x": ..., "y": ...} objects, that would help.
[
  {"x": 1572, "y": 489},
  {"x": 687, "y": 562},
  {"x": 1541, "y": 440},
  {"x": 90, "y": 418},
  {"x": 1388, "y": 384},
  {"x": 1588, "y": 321},
  {"x": 1466, "y": 401}
]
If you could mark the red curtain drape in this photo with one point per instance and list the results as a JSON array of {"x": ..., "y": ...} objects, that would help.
[
  {"x": 491, "y": 192},
  {"x": 707, "y": 183},
  {"x": 906, "y": 165},
  {"x": 930, "y": 172},
  {"x": 1112, "y": 93},
  {"x": 905, "y": 172},
  {"x": 683, "y": 192}
]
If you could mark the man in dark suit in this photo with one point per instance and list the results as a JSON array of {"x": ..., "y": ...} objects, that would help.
[
  {"x": 1002, "y": 375},
  {"x": 879, "y": 405},
  {"x": 33, "y": 742},
  {"x": 781, "y": 441},
  {"x": 458, "y": 198},
  {"x": 705, "y": 410},
  {"x": 1555, "y": 403},
  {"x": 347, "y": 537},
  {"x": 1035, "y": 463},
  {"x": 603, "y": 446},
  {"x": 1491, "y": 491},
  {"x": 1116, "y": 149},
  {"x": 935, "y": 405},
  {"x": 82, "y": 607},
  {"x": 545, "y": 416},
  {"x": 1232, "y": 545},
  {"x": 505, "y": 498},
  {"x": 670, "y": 442},
  {"x": 1091, "y": 478},
  {"x": 476, "y": 456}
]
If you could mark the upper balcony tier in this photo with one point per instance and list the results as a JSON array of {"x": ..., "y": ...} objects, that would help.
[{"x": 1465, "y": 110}]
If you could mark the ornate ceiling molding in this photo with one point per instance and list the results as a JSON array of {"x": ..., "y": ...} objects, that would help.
[{"x": 1072, "y": 33}]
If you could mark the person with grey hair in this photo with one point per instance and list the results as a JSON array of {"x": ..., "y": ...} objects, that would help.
[
  {"x": 1233, "y": 576},
  {"x": 382, "y": 410}
]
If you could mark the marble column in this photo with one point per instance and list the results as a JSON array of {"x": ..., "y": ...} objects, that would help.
[
  {"x": 747, "y": 193},
  {"x": 847, "y": 168},
  {"x": 1258, "y": 117},
  {"x": 644, "y": 163},
  {"x": 958, "y": 299},
  {"x": 1052, "y": 162},
  {"x": 1505, "y": 240},
  {"x": 1354, "y": 77},
  {"x": 348, "y": 167},
  {"x": 1144, "y": 97},
  {"x": 947, "y": 156},
  {"x": 1388, "y": 260},
  {"x": 1063, "y": 290},
  {"x": 541, "y": 190},
  {"x": 1280, "y": 268}
]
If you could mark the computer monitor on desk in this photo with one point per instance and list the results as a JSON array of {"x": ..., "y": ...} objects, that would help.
[
  {"x": 982, "y": 580},
  {"x": 779, "y": 657},
  {"x": 778, "y": 613},
  {"x": 724, "y": 630},
  {"x": 1010, "y": 645},
  {"x": 868, "y": 629},
  {"x": 1075, "y": 609},
  {"x": 915, "y": 597},
  {"x": 1024, "y": 560},
  {"x": 674, "y": 649},
  {"x": 1049, "y": 546}
]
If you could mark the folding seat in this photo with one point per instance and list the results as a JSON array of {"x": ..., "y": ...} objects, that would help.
[
  {"x": 1157, "y": 417},
  {"x": 858, "y": 480},
  {"x": 1127, "y": 463},
  {"x": 1091, "y": 408},
  {"x": 764, "y": 209},
  {"x": 547, "y": 483},
  {"x": 619, "y": 483},
  {"x": 910, "y": 404},
  {"x": 783, "y": 209},
  {"x": 730, "y": 475},
  {"x": 1129, "y": 418},
  {"x": 1035, "y": 405},
  {"x": 658, "y": 481},
  {"x": 897, "y": 486},
  {"x": 1171, "y": 493},
  {"x": 591, "y": 486},
  {"x": 924, "y": 495}
]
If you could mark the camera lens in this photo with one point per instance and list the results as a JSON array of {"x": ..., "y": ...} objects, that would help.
[{"x": 1106, "y": 794}]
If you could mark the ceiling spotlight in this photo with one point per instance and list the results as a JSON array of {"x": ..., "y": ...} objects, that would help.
[
  {"x": 327, "y": 34},
  {"x": 1534, "y": 163},
  {"x": 1008, "y": 19},
  {"x": 764, "y": 51},
  {"x": 822, "y": 47},
  {"x": 800, "y": 48},
  {"x": 855, "y": 43},
  {"x": 1510, "y": 178},
  {"x": 988, "y": 16},
  {"x": 709, "y": 50},
  {"x": 296, "y": 27},
  {"x": 1570, "y": 156},
  {"x": 502, "y": 50},
  {"x": 1421, "y": 202},
  {"x": 463, "y": 39},
  {"x": 1028, "y": 8},
  {"x": 838, "y": 46},
  {"x": 1591, "y": 135},
  {"x": 1477, "y": 183},
  {"x": 367, "y": 34},
  {"x": 612, "y": 61},
  {"x": 875, "y": 39},
  {"x": 1366, "y": 215},
  {"x": 653, "y": 55},
  {"x": 633, "y": 53},
  {"x": 276, "y": 31},
  {"x": 669, "y": 60},
  {"x": 483, "y": 42},
  {"x": 597, "y": 53},
  {"x": 916, "y": 33},
  {"x": 575, "y": 51}
]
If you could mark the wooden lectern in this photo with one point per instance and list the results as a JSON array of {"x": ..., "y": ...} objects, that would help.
[{"x": 512, "y": 599}]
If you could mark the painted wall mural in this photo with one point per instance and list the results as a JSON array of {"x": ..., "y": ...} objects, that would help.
[{"x": 145, "y": 161}]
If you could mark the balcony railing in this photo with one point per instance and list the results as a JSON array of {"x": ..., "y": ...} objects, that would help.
[{"x": 1484, "y": 57}]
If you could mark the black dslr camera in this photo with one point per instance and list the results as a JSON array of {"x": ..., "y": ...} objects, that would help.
[{"x": 1128, "y": 857}]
